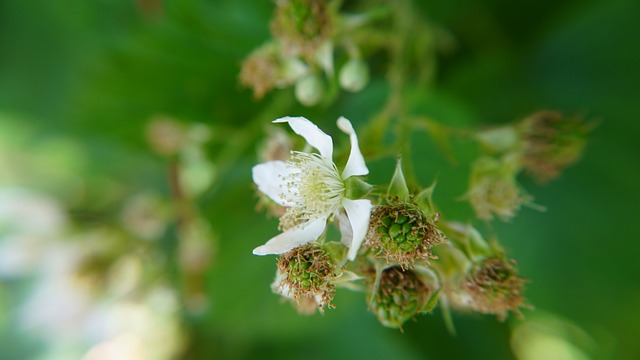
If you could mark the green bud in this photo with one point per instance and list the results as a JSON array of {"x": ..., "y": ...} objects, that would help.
[
  {"x": 196, "y": 173},
  {"x": 493, "y": 189},
  {"x": 354, "y": 75},
  {"x": 291, "y": 70},
  {"x": 500, "y": 139},
  {"x": 309, "y": 90}
]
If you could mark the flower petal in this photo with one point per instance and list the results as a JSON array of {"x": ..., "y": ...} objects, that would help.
[
  {"x": 311, "y": 133},
  {"x": 271, "y": 180},
  {"x": 293, "y": 238},
  {"x": 355, "y": 165},
  {"x": 359, "y": 212},
  {"x": 345, "y": 227}
]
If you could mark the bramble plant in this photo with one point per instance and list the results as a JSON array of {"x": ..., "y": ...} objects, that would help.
[
  {"x": 395, "y": 243},
  {"x": 127, "y": 192}
]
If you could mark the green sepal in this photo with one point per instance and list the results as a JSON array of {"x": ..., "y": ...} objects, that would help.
[
  {"x": 431, "y": 303},
  {"x": 431, "y": 280},
  {"x": 357, "y": 188},
  {"x": 336, "y": 251},
  {"x": 447, "y": 317},
  {"x": 398, "y": 186},
  {"x": 424, "y": 198},
  {"x": 477, "y": 246},
  {"x": 380, "y": 266},
  {"x": 452, "y": 262},
  {"x": 347, "y": 280}
]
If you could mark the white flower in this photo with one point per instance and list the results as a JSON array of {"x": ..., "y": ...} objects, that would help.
[{"x": 313, "y": 190}]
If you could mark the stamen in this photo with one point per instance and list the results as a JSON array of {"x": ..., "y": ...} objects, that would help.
[{"x": 313, "y": 187}]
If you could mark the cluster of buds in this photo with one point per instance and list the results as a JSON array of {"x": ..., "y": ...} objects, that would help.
[
  {"x": 398, "y": 233},
  {"x": 305, "y": 35},
  {"x": 393, "y": 245},
  {"x": 542, "y": 144}
]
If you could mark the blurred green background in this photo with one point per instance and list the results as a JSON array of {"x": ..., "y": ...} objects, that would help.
[{"x": 79, "y": 80}]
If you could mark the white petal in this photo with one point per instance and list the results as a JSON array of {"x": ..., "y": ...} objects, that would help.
[
  {"x": 355, "y": 164},
  {"x": 345, "y": 228},
  {"x": 293, "y": 238},
  {"x": 310, "y": 132},
  {"x": 270, "y": 178},
  {"x": 359, "y": 212}
]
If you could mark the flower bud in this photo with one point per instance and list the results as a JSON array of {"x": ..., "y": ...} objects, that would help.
[
  {"x": 401, "y": 233},
  {"x": 498, "y": 140},
  {"x": 397, "y": 296},
  {"x": 551, "y": 142},
  {"x": 493, "y": 287},
  {"x": 354, "y": 75},
  {"x": 306, "y": 273},
  {"x": 309, "y": 90},
  {"x": 291, "y": 70},
  {"x": 493, "y": 189}
]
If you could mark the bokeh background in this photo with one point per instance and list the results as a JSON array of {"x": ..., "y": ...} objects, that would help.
[{"x": 80, "y": 80}]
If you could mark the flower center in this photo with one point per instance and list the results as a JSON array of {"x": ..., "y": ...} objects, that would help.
[{"x": 314, "y": 187}]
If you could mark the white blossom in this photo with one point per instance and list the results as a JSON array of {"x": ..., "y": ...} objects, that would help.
[{"x": 312, "y": 189}]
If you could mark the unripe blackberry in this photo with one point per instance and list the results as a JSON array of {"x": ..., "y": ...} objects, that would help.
[
  {"x": 307, "y": 274},
  {"x": 494, "y": 287},
  {"x": 398, "y": 296},
  {"x": 551, "y": 142},
  {"x": 402, "y": 233}
]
